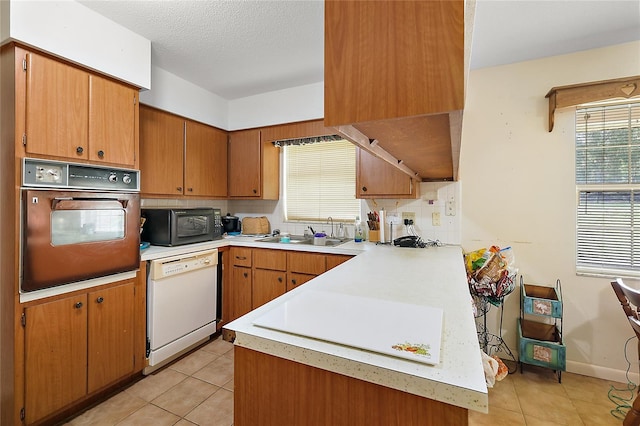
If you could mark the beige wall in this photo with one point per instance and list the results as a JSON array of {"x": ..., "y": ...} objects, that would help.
[{"x": 518, "y": 189}]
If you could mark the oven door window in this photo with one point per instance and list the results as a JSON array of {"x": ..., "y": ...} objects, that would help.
[
  {"x": 191, "y": 225},
  {"x": 85, "y": 226}
]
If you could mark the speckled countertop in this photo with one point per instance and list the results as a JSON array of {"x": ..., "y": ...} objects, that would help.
[{"x": 430, "y": 277}]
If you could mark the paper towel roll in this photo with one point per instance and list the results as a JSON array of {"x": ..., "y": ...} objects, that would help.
[{"x": 381, "y": 215}]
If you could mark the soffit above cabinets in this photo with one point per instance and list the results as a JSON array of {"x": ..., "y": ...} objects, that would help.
[{"x": 422, "y": 143}]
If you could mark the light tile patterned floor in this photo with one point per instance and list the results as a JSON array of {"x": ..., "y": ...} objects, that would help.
[{"x": 198, "y": 390}]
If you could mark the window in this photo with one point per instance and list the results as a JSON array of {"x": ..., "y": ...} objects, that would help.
[
  {"x": 608, "y": 188},
  {"x": 320, "y": 181}
]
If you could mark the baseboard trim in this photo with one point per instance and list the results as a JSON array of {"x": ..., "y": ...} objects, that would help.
[{"x": 604, "y": 373}]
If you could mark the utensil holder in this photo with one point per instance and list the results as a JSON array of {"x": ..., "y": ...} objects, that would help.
[{"x": 374, "y": 235}]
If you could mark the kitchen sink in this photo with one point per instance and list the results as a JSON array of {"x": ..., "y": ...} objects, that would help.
[{"x": 303, "y": 239}]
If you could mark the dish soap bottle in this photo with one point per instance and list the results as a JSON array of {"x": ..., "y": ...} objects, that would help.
[{"x": 358, "y": 232}]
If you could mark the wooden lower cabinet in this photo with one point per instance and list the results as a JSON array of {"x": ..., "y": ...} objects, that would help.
[
  {"x": 294, "y": 279},
  {"x": 76, "y": 346},
  {"x": 266, "y": 286},
  {"x": 260, "y": 275},
  {"x": 239, "y": 292},
  {"x": 274, "y": 391}
]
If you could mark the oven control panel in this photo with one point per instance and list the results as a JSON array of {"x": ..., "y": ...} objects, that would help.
[
  {"x": 171, "y": 266},
  {"x": 56, "y": 174}
]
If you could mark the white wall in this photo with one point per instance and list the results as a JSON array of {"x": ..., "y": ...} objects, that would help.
[
  {"x": 174, "y": 94},
  {"x": 72, "y": 31},
  {"x": 282, "y": 106},
  {"x": 519, "y": 191}
]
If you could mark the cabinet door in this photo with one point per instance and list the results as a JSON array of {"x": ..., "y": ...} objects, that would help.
[
  {"x": 266, "y": 286},
  {"x": 111, "y": 332},
  {"x": 57, "y": 109},
  {"x": 161, "y": 152},
  {"x": 239, "y": 292},
  {"x": 245, "y": 164},
  {"x": 55, "y": 355},
  {"x": 294, "y": 280},
  {"x": 205, "y": 160},
  {"x": 306, "y": 263},
  {"x": 112, "y": 121},
  {"x": 377, "y": 178}
]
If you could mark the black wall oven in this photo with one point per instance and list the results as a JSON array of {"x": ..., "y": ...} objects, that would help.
[{"x": 79, "y": 222}]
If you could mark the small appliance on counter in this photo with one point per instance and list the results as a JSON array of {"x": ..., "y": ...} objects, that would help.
[
  {"x": 230, "y": 224},
  {"x": 175, "y": 227}
]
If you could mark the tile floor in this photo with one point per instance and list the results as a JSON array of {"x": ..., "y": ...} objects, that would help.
[{"x": 198, "y": 390}]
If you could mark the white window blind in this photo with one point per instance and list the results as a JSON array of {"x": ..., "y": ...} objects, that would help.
[
  {"x": 320, "y": 182},
  {"x": 608, "y": 189}
]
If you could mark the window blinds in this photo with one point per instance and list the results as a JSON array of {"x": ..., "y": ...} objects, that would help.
[
  {"x": 320, "y": 182},
  {"x": 608, "y": 186}
]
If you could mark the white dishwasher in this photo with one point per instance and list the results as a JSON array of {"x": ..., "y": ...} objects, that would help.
[{"x": 181, "y": 305}]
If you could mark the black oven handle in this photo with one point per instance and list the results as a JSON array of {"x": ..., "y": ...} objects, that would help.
[{"x": 70, "y": 203}]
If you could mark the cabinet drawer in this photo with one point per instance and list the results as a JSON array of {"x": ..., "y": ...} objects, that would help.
[
  {"x": 241, "y": 256},
  {"x": 307, "y": 263},
  {"x": 270, "y": 259},
  {"x": 334, "y": 260}
]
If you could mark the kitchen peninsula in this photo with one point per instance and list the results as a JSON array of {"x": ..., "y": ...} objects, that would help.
[{"x": 285, "y": 378}]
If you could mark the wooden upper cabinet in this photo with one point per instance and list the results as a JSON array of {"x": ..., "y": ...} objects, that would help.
[
  {"x": 113, "y": 112},
  {"x": 57, "y": 109},
  {"x": 375, "y": 178},
  {"x": 180, "y": 156},
  {"x": 73, "y": 114},
  {"x": 205, "y": 160},
  {"x": 390, "y": 59},
  {"x": 161, "y": 152},
  {"x": 254, "y": 166}
]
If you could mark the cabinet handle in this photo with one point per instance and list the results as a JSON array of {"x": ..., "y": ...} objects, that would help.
[
  {"x": 78, "y": 305},
  {"x": 100, "y": 299},
  {"x": 279, "y": 279},
  {"x": 293, "y": 282},
  {"x": 364, "y": 189},
  {"x": 245, "y": 274},
  {"x": 241, "y": 257},
  {"x": 101, "y": 154},
  {"x": 179, "y": 189},
  {"x": 190, "y": 189},
  {"x": 79, "y": 150},
  {"x": 255, "y": 191}
]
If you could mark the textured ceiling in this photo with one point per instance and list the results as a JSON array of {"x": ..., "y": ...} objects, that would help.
[
  {"x": 239, "y": 48},
  {"x": 231, "y": 48}
]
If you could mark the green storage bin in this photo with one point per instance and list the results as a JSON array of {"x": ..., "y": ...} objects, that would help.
[{"x": 541, "y": 344}]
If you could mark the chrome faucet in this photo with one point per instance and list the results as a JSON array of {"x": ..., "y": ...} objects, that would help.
[{"x": 330, "y": 219}]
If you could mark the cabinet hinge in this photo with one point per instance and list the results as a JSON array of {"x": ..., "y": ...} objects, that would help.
[
  {"x": 23, "y": 320},
  {"x": 134, "y": 99},
  {"x": 22, "y": 415},
  {"x": 148, "y": 348},
  {"x": 24, "y": 139},
  {"x": 24, "y": 64}
]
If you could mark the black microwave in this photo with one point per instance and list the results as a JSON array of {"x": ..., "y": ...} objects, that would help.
[{"x": 175, "y": 227}]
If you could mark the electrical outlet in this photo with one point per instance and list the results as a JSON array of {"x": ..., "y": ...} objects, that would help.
[
  {"x": 450, "y": 209},
  {"x": 435, "y": 218},
  {"x": 409, "y": 216}
]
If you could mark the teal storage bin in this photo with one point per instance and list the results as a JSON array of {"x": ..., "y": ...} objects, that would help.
[
  {"x": 541, "y": 344},
  {"x": 541, "y": 300}
]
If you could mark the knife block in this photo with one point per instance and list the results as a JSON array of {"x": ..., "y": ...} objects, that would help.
[{"x": 374, "y": 236}]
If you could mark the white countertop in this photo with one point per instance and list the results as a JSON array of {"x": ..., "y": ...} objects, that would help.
[{"x": 428, "y": 277}]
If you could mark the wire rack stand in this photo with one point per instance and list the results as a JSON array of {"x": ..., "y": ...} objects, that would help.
[{"x": 492, "y": 343}]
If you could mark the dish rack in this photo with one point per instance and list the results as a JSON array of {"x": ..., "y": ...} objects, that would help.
[{"x": 540, "y": 340}]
